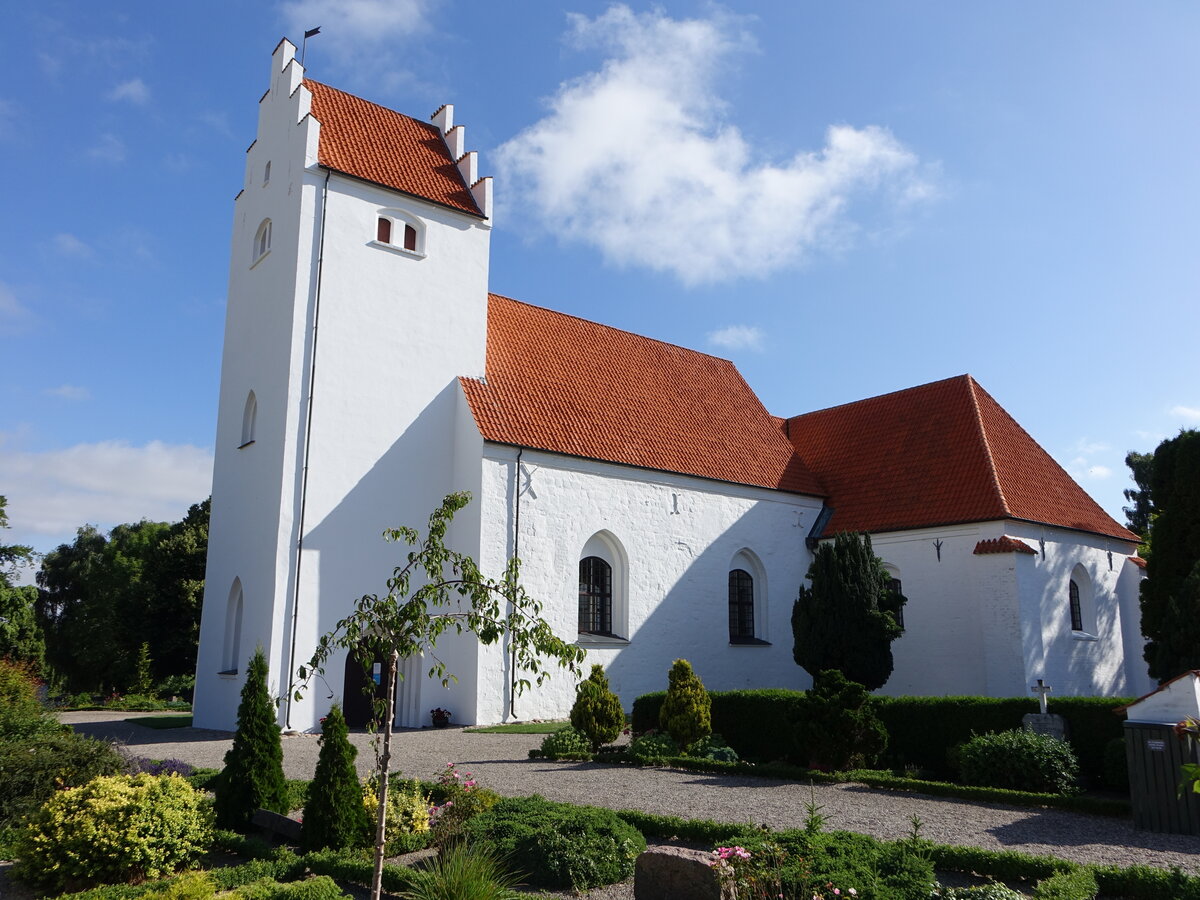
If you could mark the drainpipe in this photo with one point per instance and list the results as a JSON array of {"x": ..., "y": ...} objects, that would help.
[{"x": 308, "y": 421}]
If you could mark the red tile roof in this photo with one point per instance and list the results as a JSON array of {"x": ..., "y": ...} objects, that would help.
[
  {"x": 938, "y": 454},
  {"x": 566, "y": 385},
  {"x": 1004, "y": 544},
  {"x": 377, "y": 144},
  {"x": 1138, "y": 561}
]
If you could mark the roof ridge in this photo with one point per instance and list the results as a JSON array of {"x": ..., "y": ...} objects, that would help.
[
  {"x": 972, "y": 384},
  {"x": 906, "y": 390},
  {"x": 641, "y": 337}
]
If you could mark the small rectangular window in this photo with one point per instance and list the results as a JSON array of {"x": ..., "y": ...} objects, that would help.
[
  {"x": 410, "y": 238},
  {"x": 383, "y": 232}
]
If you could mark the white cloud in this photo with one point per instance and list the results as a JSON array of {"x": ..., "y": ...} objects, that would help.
[
  {"x": 109, "y": 148},
  {"x": 737, "y": 337},
  {"x": 1188, "y": 413},
  {"x": 637, "y": 160},
  {"x": 52, "y": 493},
  {"x": 69, "y": 245},
  {"x": 68, "y": 392},
  {"x": 134, "y": 90},
  {"x": 15, "y": 318},
  {"x": 1089, "y": 447},
  {"x": 353, "y": 29},
  {"x": 1081, "y": 468}
]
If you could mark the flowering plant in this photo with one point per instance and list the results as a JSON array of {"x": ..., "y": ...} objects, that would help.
[
  {"x": 829, "y": 892},
  {"x": 743, "y": 875},
  {"x": 439, "y": 713}
]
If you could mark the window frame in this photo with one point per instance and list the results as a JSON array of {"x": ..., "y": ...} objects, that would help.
[
  {"x": 390, "y": 223},
  {"x": 595, "y": 597},
  {"x": 262, "y": 242},
  {"x": 741, "y": 607}
]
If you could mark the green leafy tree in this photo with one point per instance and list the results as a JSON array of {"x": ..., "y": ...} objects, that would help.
[
  {"x": 1139, "y": 518},
  {"x": 334, "y": 815},
  {"x": 597, "y": 711},
  {"x": 438, "y": 590},
  {"x": 846, "y": 619},
  {"x": 836, "y": 727},
  {"x": 1170, "y": 597},
  {"x": 686, "y": 713},
  {"x": 12, "y": 556},
  {"x": 253, "y": 775},
  {"x": 20, "y": 638}
]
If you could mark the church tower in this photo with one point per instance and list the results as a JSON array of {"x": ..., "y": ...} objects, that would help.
[{"x": 357, "y": 296}]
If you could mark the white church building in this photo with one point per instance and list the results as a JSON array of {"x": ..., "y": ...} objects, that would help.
[{"x": 658, "y": 509}]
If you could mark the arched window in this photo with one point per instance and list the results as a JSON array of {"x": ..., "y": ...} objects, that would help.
[
  {"x": 1076, "y": 610},
  {"x": 894, "y": 600},
  {"x": 741, "y": 606},
  {"x": 595, "y": 596},
  {"x": 231, "y": 658},
  {"x": 249, "y": 418},
  {"x": 400, "y": 231},
  {"x": 262, "y": 240},
  {"x": 1081, "y": 603},
  {"x": 267, "y": 173}
]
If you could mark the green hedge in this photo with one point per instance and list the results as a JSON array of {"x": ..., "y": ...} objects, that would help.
[{"x": 920, "y": 729}]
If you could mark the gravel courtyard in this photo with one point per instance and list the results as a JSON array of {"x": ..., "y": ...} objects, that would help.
[{"x": 500, "y": 761}]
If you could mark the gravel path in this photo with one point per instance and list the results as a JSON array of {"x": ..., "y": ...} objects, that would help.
[{"x": 500, "y": 761}]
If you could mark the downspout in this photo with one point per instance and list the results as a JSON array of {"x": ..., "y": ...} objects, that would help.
[
  {"x": 308, "y": 421},
  {"x": 512, "y": 667}
]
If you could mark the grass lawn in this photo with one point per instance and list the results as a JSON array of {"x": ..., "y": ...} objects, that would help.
[
  {"x": 520, "y": 728},
  {"x": 175, "y": 721}
]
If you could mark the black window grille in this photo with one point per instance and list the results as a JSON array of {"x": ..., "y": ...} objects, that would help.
[
  {"x": 741, "y": 605},
  {"x": 595, "y": 596},
  {"x": 1076, "y": 609}
]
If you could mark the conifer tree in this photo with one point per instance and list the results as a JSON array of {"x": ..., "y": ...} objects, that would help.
[
  {"x": 334, "y": 814},
  {"x": 686, "y": 714},
  {"x": 597, "y": 711},
  {"x": 844, "y": 620},
  {"x": 253, "y": 775}
]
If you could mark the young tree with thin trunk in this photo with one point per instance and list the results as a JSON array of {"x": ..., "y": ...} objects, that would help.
[{"x": 450, "y": 594}]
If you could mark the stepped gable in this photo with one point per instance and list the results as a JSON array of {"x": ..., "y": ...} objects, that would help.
[
  {"x": 563, "y": 384},
  {"x": 380, "y": 145},
  {"x": 940, "y": 454}
]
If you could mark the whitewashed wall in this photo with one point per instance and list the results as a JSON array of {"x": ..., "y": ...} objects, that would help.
[{"x": 678, "y": 536}]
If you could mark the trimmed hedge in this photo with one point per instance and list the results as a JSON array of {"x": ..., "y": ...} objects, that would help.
[{"x": 920, "y": 729}]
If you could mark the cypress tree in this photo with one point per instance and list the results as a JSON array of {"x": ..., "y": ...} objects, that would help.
[
  {"x": 686, "y": 713},
  {"x": 836, "y": 726},
  {"x": 843, "y": 621},
  {"x": 334, "y": 814},
  {"x": 253, "y": 775},
  {"x": 1170, "y": 597},
  {"x": 597, "y": 711}
]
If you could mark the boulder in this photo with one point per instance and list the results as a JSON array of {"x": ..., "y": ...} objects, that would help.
[{"x": 675, "y": 873}]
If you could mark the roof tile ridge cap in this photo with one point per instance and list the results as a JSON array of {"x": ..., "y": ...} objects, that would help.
[
  {"x": 972, "y": 385},
  {"x": 640, "y": 337}
]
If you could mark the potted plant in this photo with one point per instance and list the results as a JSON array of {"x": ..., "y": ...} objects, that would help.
[{"x": 441, "y": 717}]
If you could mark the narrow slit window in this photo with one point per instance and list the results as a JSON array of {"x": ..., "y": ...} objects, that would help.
[
  {"x": 1076, "y": 608},
  {"x": 249, "y": 420},
  {"x": 262, "y": 239}
]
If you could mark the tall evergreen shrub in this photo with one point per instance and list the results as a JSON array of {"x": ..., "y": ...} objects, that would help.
[
  {"x": 253, "y": 775},
  {"x": 597, "y": 711},
  {"x": 686, "y": 713},
  {"x": 837, "y": 727},
  {"x": 334, "y": 815}
]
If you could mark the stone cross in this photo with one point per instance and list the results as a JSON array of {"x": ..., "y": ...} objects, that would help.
[{"x": 1041, "y": 689}]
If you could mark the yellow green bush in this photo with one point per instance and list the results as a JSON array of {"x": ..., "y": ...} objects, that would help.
[
  {"x": 120, "y": 828},
  {"x": 407, "y": 819}
]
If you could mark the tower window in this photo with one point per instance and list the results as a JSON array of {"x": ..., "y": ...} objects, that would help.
[
  {"x": 383, "y": 232},
  {"x": 399, "y": 231},
  {"x": 410, "y": 238},
  {"x": 262, "y": 240},
  {"x": 267, "y": 173}
]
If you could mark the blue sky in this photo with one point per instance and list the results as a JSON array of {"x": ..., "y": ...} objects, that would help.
[{"x": 845, "y": 199}]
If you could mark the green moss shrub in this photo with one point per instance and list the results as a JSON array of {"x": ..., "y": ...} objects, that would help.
[
  {"x": 559, "y": 845},
  {"x": 655, "y": 746},
  {"x": 1079, "y": 884},
  {"x": 597, "y": 712},
  {"x": 992, "y": 891},
  {"x": 334, "y": 814},
  {"x": 566, "y": 743},
  {"x": 686, "y": 713},
  {"x": 713, "y": 747},
  {"x": 836, "y": 726},
  {"x": 1018, "y": 759},
  {"x": 31, "y": 770},
  {"x": 116, "y": 828},
  {"x": 319, "y": 887},
  {"x": 253, "y": 775}
]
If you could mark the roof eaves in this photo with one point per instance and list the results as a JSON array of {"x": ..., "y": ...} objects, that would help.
[{"x": 395, "y": 190}]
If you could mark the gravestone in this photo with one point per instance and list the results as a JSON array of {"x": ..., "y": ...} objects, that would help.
[
  {"x": 1044, "y": 722},
  {"x": 675, "y": 873}
]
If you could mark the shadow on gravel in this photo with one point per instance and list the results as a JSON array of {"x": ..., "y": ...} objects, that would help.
[
  {"x": 134, "y": 735},
  {"x": 1045, "y": 827}
]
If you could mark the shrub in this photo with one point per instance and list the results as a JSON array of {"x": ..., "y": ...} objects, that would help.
[
  {"x": 31, "y": 771},
  {"x": 463, "y": 873},
  {"x": 686, "y": 712},
  {"x": 597, "y": 711},
  {"x": 1018, "y": 759},
  {"x": 253, "y": 775},
  {"x": 559, "y": 845},
  {"x": 460, "y": 799},
  {"x": 320, "y": 887},
  {"x": 1077, "y": 885},
  {"x": 713, "y": 747},
  {"x": 407, "y": 818},
  {"x": 21, "y": 715},
  {"x": 1116, "y": 768},
  {"x": 181, "y": 686},
  {"x": 991, "y": 891},
  {"x": 566, "y": 743},
  {"x": 836, "y": 726},
  {"x": 113, "y": 829},
  {"x": 143, "y": 764},
  {"x": 334, "y": 814},
  {"x": 192, "y": 886},
  {"x": 652, "y": 747}
]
